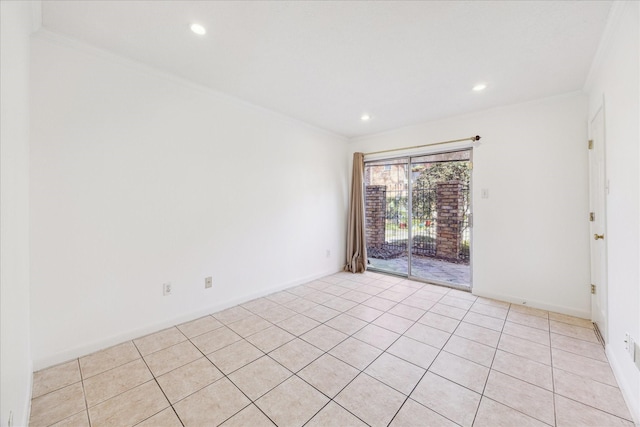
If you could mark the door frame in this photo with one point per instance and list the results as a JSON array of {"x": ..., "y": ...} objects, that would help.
[
  {"x": 602, "y": 286},
  {"x": 421, "y": 153}
]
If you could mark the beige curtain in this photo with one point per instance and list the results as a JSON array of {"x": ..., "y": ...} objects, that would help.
[{"x": 356, "y": 245}]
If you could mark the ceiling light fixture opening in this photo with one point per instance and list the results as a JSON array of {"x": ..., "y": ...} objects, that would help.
[
  {"x": 365, "y": 117},
  {"x": 479, "y": 87},
  {"x": 198, "y": 29}
]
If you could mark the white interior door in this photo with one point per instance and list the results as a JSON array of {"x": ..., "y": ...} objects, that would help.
[{"x": 597, "y": 201}]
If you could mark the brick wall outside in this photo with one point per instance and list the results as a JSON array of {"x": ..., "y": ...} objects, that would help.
[
  {"x": 375, "y": 214},
  {"x": 449, "y": 208}
]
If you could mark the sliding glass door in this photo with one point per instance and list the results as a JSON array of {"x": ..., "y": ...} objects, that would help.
[
  {"x": 441, "y": 212},
  {"x": 418, "y": 217},
  {"x": 387, "y": 215}
]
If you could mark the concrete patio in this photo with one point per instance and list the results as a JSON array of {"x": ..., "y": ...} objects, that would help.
[{"x": 426, "y": 268}]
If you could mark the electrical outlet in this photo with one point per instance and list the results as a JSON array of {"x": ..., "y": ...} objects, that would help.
[
  {"x": 208, "y": 282},
  {"x": 167, "y": 289},
  {"x": 632, "y": 348},
  {"x": 637, "y": 355}
]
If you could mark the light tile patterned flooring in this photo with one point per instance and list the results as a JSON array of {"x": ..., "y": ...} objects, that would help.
[{"x": 345, "y": 350}]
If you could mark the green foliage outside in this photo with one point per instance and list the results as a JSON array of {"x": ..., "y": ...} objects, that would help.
[
  {"x": 424, "y": 189},
  {"x": 424, "y": 205},
  {"x": 397, "y": 209}
]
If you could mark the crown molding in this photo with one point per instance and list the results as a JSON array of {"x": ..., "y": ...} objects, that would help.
[
  {"x": 70, "y": 42},
  {"x": 615, "y": 15}
]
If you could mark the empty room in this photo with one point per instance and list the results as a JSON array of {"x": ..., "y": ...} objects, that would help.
[{"x": 320, "y": 213}]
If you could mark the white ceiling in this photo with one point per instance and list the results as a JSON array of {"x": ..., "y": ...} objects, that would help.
[{"x": 327, "y": 63}]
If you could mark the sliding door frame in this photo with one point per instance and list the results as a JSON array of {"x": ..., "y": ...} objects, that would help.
[{"x": 409, "y": 158}]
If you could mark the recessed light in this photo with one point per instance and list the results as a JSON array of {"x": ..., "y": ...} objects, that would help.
[
  {"x": 198, "y": 29},
  {"x": 365, "y": 117},
  {"x": 479, "y": 87}
]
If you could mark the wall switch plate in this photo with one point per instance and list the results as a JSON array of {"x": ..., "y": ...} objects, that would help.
[
  {"x": 208, "y": 282},
  {"x": 328, "y": 253},
  {"x": 484, "y": 193},
  {"x": 626, "y": 341},
  {"x": 167, "y": 289}
]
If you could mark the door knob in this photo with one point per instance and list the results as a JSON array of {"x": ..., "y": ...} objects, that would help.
[{"x": 598, "y": 236}]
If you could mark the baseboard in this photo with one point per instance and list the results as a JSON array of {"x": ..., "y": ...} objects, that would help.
[
  {"x": 100, "y": 344},
  {"x": 633, "y": 402},
  {"x": 571, "y": 311}
]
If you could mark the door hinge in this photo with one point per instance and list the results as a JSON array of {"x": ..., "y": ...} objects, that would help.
[
  {"x": 592, "y": 216},
  {"x": 593, "y": 289},
  {"x": 591, "y": 144}
]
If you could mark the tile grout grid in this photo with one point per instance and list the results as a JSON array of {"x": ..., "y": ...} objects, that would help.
[{"x": 427, "y": 320}]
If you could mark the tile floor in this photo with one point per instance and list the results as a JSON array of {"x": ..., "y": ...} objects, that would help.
[{"x": 346, "y": 350}]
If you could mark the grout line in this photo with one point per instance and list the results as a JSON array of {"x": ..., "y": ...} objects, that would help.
[
  {"x": 319, "y": 410},
  {"x": 451, "y": 334},
  {"x": 84, "y": 392},
  {"x": 85, "y": 411},
  {"x": 361, "y": 371},
  {"x": 519, "y": 379},
  {"x": 629, "y": 420},
  {"x": 491, "y": 366},
  {"x": 224, "y": 376},
  {"x": 553, "y": 383},
  {"x": 158, "y": 384},
  {"x": 315, "y": 359}
]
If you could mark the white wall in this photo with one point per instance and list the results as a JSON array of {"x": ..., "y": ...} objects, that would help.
[
  {"x": 15, "y": 352},
  {"x": 616, "y": 79},
  {"x": 530, "y": 237},
  {"x": 139, "y": 178}
]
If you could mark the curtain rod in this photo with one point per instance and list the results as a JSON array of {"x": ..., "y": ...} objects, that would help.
[{"x": 472, "y": 139}]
